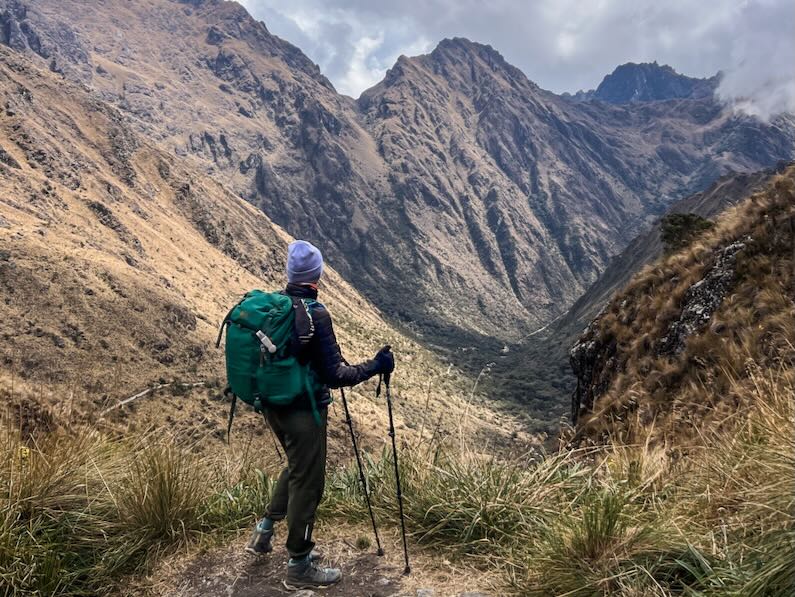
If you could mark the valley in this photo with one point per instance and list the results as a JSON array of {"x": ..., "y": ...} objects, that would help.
[
  {"x": 119, "y": 261},
  {"x": 590, "y": 298}
]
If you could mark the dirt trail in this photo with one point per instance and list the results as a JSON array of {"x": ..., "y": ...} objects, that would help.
[{"x": 229, "y": 572}]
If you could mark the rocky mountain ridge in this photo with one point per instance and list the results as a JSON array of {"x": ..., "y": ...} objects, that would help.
[
  {"x": 501, "y": 202},
  {"x": 647, "y": 82}
]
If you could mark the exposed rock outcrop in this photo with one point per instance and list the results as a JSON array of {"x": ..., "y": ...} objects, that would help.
[
  {"x": 23, "y": 29},
  {"x": 702, "y": 299},
  {"x": 594, "y": 363}
]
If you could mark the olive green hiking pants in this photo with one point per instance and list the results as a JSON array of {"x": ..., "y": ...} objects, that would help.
[{"x": 300, "y": 486}]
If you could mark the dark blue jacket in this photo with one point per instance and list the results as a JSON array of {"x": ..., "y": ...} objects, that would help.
[{"x": 323, "y": 353}]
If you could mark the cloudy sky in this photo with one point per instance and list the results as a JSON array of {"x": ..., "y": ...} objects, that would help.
[{"x": 563, "y": 45}]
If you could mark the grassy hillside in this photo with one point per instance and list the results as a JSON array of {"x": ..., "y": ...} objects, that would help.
[
  {"x": 117, "y": 263},
  {"x": 677, "y": 348},
  {"x": 712, "y": 516},
  {"x": 537, "y": 371}
]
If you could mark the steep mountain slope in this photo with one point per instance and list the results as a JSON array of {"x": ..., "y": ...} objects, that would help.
[
  {"x": 537, "y": 371},
  {"x": 499, "y": 201},
  {"x": 117, "y": 262},
  {"x": 207, "y": 82},
  {"x": 678, "y": 348}
]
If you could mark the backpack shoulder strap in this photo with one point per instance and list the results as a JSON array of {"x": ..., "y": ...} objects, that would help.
[{"x": 304, "y": 326}]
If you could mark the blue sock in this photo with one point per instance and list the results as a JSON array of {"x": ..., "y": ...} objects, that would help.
[{"x": 264, "y": 525}]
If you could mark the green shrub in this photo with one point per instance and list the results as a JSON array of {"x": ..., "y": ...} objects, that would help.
[{"x": 679, "y": 230}]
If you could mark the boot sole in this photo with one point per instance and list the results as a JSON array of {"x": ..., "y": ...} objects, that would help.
[{"x": 301, "y": 586}]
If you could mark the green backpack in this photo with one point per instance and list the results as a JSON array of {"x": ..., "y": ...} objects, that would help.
[{"x": 264, "y": 333}]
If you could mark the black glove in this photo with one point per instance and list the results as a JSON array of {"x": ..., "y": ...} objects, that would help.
[{"x": 385, "y": 360}]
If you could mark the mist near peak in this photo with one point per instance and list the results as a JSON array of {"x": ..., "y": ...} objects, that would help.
[{"x": 760, "y": 78}]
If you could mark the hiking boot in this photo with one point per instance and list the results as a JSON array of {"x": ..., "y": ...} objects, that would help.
[
  {"x": 306, "y": 574},
  {"x": 262, "y": 538}
]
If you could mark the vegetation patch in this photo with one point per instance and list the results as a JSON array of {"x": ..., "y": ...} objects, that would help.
[
  {"x": 80, "y": 512},
  {"x": 679, "y": 230}
]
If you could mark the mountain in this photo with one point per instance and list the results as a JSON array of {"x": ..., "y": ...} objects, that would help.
[
  {"x": 537, "y": 370},
  {"x": 678, "y": 348},
  {"x": 648, "y": 82},
  {"x": 543, "y": 192},
  {"x": 500, "y": 202},
  {"x": 117, "y": 263}
]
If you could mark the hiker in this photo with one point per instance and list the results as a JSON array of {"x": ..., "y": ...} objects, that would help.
[{"x": 302, "y": 433}]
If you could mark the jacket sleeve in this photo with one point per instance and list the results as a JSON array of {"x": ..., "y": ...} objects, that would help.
[{"x": 327, "y": 357}]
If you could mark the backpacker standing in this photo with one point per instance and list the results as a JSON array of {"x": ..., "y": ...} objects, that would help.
[{"x": 301, "y": 429}]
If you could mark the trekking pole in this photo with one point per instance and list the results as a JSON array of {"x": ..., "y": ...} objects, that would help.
[
  {"x": 385, "y": 379},
  {"x": 362, "y": 478}
]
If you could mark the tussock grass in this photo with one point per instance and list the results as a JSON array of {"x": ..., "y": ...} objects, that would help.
[
  {"x": 716, "y": 516},
  {"x": 80, "y": 513}
]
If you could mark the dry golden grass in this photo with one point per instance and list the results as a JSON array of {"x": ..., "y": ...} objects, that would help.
[
  {"x": 119, "y": 261},
  {"x": 754, "y": 323}
]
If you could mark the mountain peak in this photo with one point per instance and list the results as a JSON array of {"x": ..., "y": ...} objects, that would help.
[
  {"x": 455, "y": 60},
  {"x": 458, "y": 53},
  {"x": 461, "y": 44},
  {"x": 649, "y": 81},
  {"x": 456, "y": 48}
]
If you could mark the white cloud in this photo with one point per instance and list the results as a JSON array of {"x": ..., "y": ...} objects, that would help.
[
  {"x": 760, "y": 76},
  {"x": 563, "y": 45},
  {"x": 363, "y": 70}
]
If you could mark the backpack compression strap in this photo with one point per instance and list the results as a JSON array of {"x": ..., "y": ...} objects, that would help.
[
  {"x": 227, "y": 392},
  {"x": 225, "y": 321}
]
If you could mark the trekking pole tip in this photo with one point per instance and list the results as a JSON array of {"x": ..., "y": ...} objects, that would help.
[
  {"x": 407, "y": 571},
  {"x": 380, "y": 552}
]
